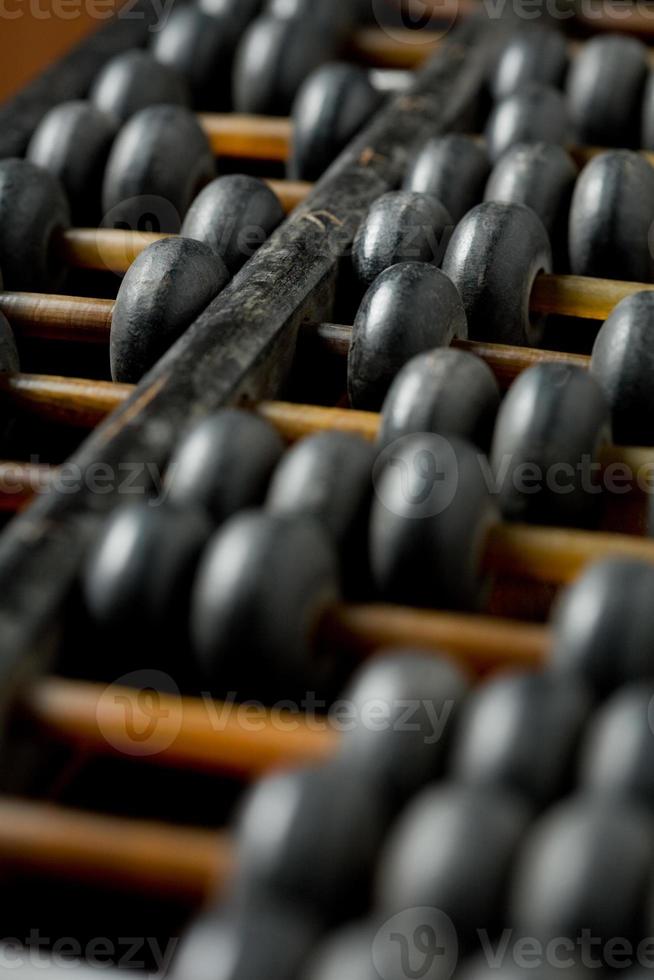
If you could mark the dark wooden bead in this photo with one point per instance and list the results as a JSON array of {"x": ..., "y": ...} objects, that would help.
[
  {"x": 334, "y": 16},
  {"x": 430, "y": 515},
  {"x": 582, "y": 875},
  {"x": 135, "y": 180},
  {"x": 234, "y": 215},
  {"x": 210, "y": 470},
  {"x": 169, "y": 284},
  {"x": 533, "y": 114},
  {"x": 605, "y": 88},
  {"x": 447, "y": 391},
  {"x": 610, "y": 218},
  {"x": 406, "y": 703},
  {"x": 451, "y": 850},
  {"x": 550, "y": 428},
  {"x": 647, "y": 121},
  {"x": 33, "y": 210},
  {"x": 493, "y": 258},
  {"x": 616, "y": 760},
  {"x": 623, "y": 363},
  {"x": 329, "y": 824},
  {"x": 331, "y": 106},
  {"x": 72, "y": 141},
  {"x": 198, "y": 46},
  {"x": 401, "y": 226},
  {"x": 542, "y": 177},
  {"x": 235, "y": 14},
  {"x": 136, "y": 583},
  {"x": 274, "y": 57},
  {"x": 411, "y": 307},
  {"x": 264, "y": 582},
  {"x": 328, "y": 476},
  {"x": 453, "y": 169},
  {"x": 519, "y": 733},
  {"x": 134, "y": 80},
  {"x": 533, "y": 54},
  {"x": 607, "y": 609},
  {"x": 9, "y": 360}
]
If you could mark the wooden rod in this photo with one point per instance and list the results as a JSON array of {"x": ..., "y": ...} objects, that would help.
[
  {"x": 133, "y": 855},
  {"x": 70, "y": 401},
  {"x": 581, "y": 296},
  {"x": 69, "y": 318},
  {"x": 20, "y": 481},
  {"x": 250, "y": 137}
]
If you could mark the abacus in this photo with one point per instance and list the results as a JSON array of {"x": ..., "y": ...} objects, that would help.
[{"x": 326, "y": 577}]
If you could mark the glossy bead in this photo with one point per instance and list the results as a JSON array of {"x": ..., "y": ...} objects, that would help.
[
  {"x": 623, "y": 363},
  {"x": 533, "y": 114},
  {"x": 333, "y": 15},
  {"x": 273, "y": 58},
  {"x": 610, "y": 218},
  {"x": 72, "y": 141},
  {"x": 400, "y": 226},
  {"x": 263, "y": 584},
  {"x": 135, "y": 175},
  {"x": 542, "y": 177},
  {"x": 550, "y": 428},
  {"x": 236, "y": 14},
  {"x": 228, "y": 943},
  {"x": 584, "y": 867},
  {"x": 199, "y": 47},
  {"x": 608, "y": 608},
  {"x": 451, "y": 850},
  {"x": 328, "y": 477},
  {"x": 406, "y": 704},
  {"x": 332, "y": 105},
  {"x": 33, "y": 210},
  {"x": 519, "y": 733},
  {"x": 616, "y": 760},
  {"x": 136, "y": 582},
  {"x": 209, "y": 469},
  {"x": 134, "y": 80},
  {"x": 451, "y": 168},
  {"x": 493, "y": 258},
  {"x": 328, "y": 826},
  {"x": 533, "y": 54},
  {"x": 410, "y": 308},
  {"x": 430, "y": 515},
  {"x": 234, "y": 215},
  {"x": 447, "y": 391},
  {"x": 167, "y": 286},
  {"x": 605, "y": 88}
]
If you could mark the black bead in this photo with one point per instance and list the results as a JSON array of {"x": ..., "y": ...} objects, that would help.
[
  {"x": 550, "y": 428},
  {"x": 137, "y": 185},
  {"x": 453, "y": 169},
  {"x": 430, "y": 515},
  {"x": 328, "y": 828},
  {"x": 540, "y": 176},
  {"x": 401, "y": 226},
  {"x": 623, "y": 363},
  {"x": 134, "y": 80},
  {"x": 530, "y": 55},
  {"x": 263, "y": 584},
  {"x": 493, "y": 258},
  {"x": 211, "y": 470},
  {"x": 603, "y": 624},
  {"x": 519, "y": 733},
  {"x": 236, "y": 14},
  {"x": 582, "y": 875},
  {"x": 411, "y": 307},
  {"x": 605, "y": 88},
  {"x": 447, "y": 391},
  {"x": 334, "y": 16},
  {"x": 234, "y": 215},
  {"x": 9, "y": 360},
  {"x": 199, "y": 47},
  {"x": 328, "y": 476},
  {"x": 406, "y": 703},
  {"x": 72, "y": 141},
  {"x": 534, "y": 114},
  {"x": 168, "y": 285},
  {"x": 33, "y": 210},
  {"x": 274, "y": 57},
  {"x": 610, "y": 218},
  {"x": 332, "y": 105},
  {"x": 451, "y": 851}
]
